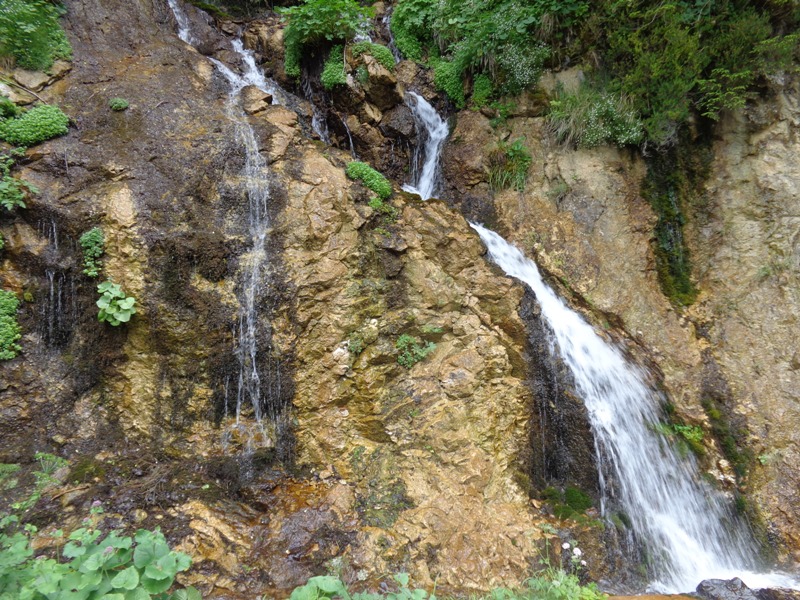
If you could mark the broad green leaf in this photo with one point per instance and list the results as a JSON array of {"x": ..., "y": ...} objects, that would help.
[
  {"x": 127, "y": 579},
  {"x": 164, "y": 567},
  {"x": 401, "y": 578},
  {"x": 155, "y": 586},
  {"x": 137, "y": 594}
]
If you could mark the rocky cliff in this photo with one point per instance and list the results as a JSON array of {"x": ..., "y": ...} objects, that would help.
[{"x": 372, "y": 466}]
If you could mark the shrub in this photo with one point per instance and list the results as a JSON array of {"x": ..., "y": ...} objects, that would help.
[
  {"x": 412, "y": 350},
  {"x": 590, "y": 117},
  {"x": 9, "y": 328},
  {"x": 315, "y": 21},
  {"x": 508, "y": 166},
  {"x": 482, "y": 90},
  {"x": 13, "y": 190},
  {"x": 36, "y": 125},
  {"x": 92, "y": 243},
  {"x": 370, "y": 178},
  {"x": 118, "y": 104},
  {"x": 333, "y": 73},
  {"x": 447, "y": 78},
  {"x": 381, "y": 53},
  {"x": 8, "y": 108},
  {"x": 115, "y": 306},
  {"x": 412, "y": 26},
  {"x": 30, "y": 32}
]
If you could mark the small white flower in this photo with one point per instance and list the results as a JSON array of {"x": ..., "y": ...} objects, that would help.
[
  {"x": 583, "y": 563},
  {"x": 565, "y": 545},
  {"x": 577, "y": 551}
]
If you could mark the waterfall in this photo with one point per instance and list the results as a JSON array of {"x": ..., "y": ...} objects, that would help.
[
  {"x": 184, "y": 30},
  {"x": 387, "y": 24},
  {"x": 318, "y": 123},
  {"x": 434, "y": 129},
  {"x": 255, "y": 384},
  {"x": 689, "y": 530}
]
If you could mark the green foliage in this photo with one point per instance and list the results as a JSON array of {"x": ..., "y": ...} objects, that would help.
[
  {"x": 327, "y": 586},
  {"x": 412, "y": 350},
  {"x": 10, "y": 331},
  {"x": 30, "y": 32},
  {"x": 371, "y": 178},
  {"x": 732, "y": 440},
  {"x": 115, "y": 306},
  {"x": 447, "y": 78},
  {"x": 13, "y": 190},
  {"x": 2, "y": 242},
  {"x": 412, "y": 26},
  {"x": 388, "y": 212},
  {"x": 333, "y": 72},
  {"x": 688, "y": 436},
  {"x": 315, "y": 21},
  {"x": 557, "y": 584},
  {"x": 590, "y": 117},
  {"x": 569, "y": 504},
  {"x": 508, "y": 166},
  {"x": 92, "y": 243},
  {"x": 36, "y": 125},
  {"x": 381, "y": 53},
  {"x": 8, "y": 108},
  {"x": 482, "y": 90},
  {"x": 118, "y": 104}
]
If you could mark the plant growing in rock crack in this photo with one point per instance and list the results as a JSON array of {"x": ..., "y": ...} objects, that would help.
[
  {"x": 36, "y": 125},
  {"x": 508, "y": 166},
  {"x": 93, "y": 244},
  {"x": 388, "y": 212},
  {"x": 371, "y": 178},
  {"x": 13, "y": 190},
  {"x": 118, "y": 104},
  {"x": 115, "y": 305},
  {"x": 9, "y": 328},
  {"x": 412, "y": 350}
]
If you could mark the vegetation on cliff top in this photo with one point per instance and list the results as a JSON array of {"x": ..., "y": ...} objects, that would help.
[{"x": 31, "y": 34}]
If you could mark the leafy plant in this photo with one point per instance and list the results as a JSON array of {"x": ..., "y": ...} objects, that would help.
[
  {"x": 328, "y": 586},
  {"x": 10, "y": 331},
  {"x": 13, "y": 190},
  {"x": 590, "y": 117},
  {"x": 30, "y": 32},
  {"x": 36, "y": 125},
  {"x": 388, "y": 212},
  {"x": 315, "y": 21},
  {"x": 381, "y": 53},
  {"x": 371, "y": 178},
  {"x": 508, "y": 166},
  {"x": 482, "y": 90},
  {"x": 115, "y": 306},
  {"x": 8, "y": 108},
  {"x": 412, "y": 350},
  {"x": 118, "y": 104},
  {"x": 93, "y": 244},
  {"x": 447, "y": 78},
  {"x": 333, "y": 72}
]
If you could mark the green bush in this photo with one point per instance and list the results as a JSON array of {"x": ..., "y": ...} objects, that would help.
[
  {"x": 412, "y": 350},
  {"x": 333, "y": 73},
  {"x": 370, "y": 178},
  {"x": 482, "y": 90},
  {"x": 8, "y": 108},
  {"x": 412, "y": 26},
  {"x": 381, "y": 53},
  {"x": 315, "y": 21},
  {"x": 10, "y": 331},
  {"x": 508, "y": 166},
  {"x": 92, "y": 243},
  {"x": 118, "y": 104},
  {"x": 13, "y": 190},
  {"x": 115, "y": 305},
  {"x": 36, "y": 125},
  {"x": 590, "y": 117},
  {"x": 30, "y": 32}
]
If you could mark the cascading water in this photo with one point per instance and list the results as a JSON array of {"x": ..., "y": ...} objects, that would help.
[
  {"x": 184, "y": 29},
  {"x": 435, "y": 132},
  {"x": 256, "y": 385},
  {"x": 689, "y": 530},
  {"x": 387, "y": 25}
]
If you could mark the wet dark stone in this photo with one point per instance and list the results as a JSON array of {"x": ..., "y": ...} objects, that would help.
[{"x": 725, "y": 589}]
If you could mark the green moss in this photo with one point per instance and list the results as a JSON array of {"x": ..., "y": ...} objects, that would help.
[
  {"x": 577, "y": 499},
  {"x": 482, "y": 90},
  {"x": 381, "y": 53},
  {"x": 732, "y": 441},
  {"x": 10, "y": 331},
  {"x": 118, "y": 104},
  {"x": 371, "y": 178},
  {"x": 333, "y": 72},
  {"x": 38, "y": 124}
]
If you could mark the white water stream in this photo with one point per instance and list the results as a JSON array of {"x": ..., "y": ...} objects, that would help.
[
  {"x": 255, "y": 179},
  {"x": 435, "y": 132},
  {"x": 689, "y": 529}
]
